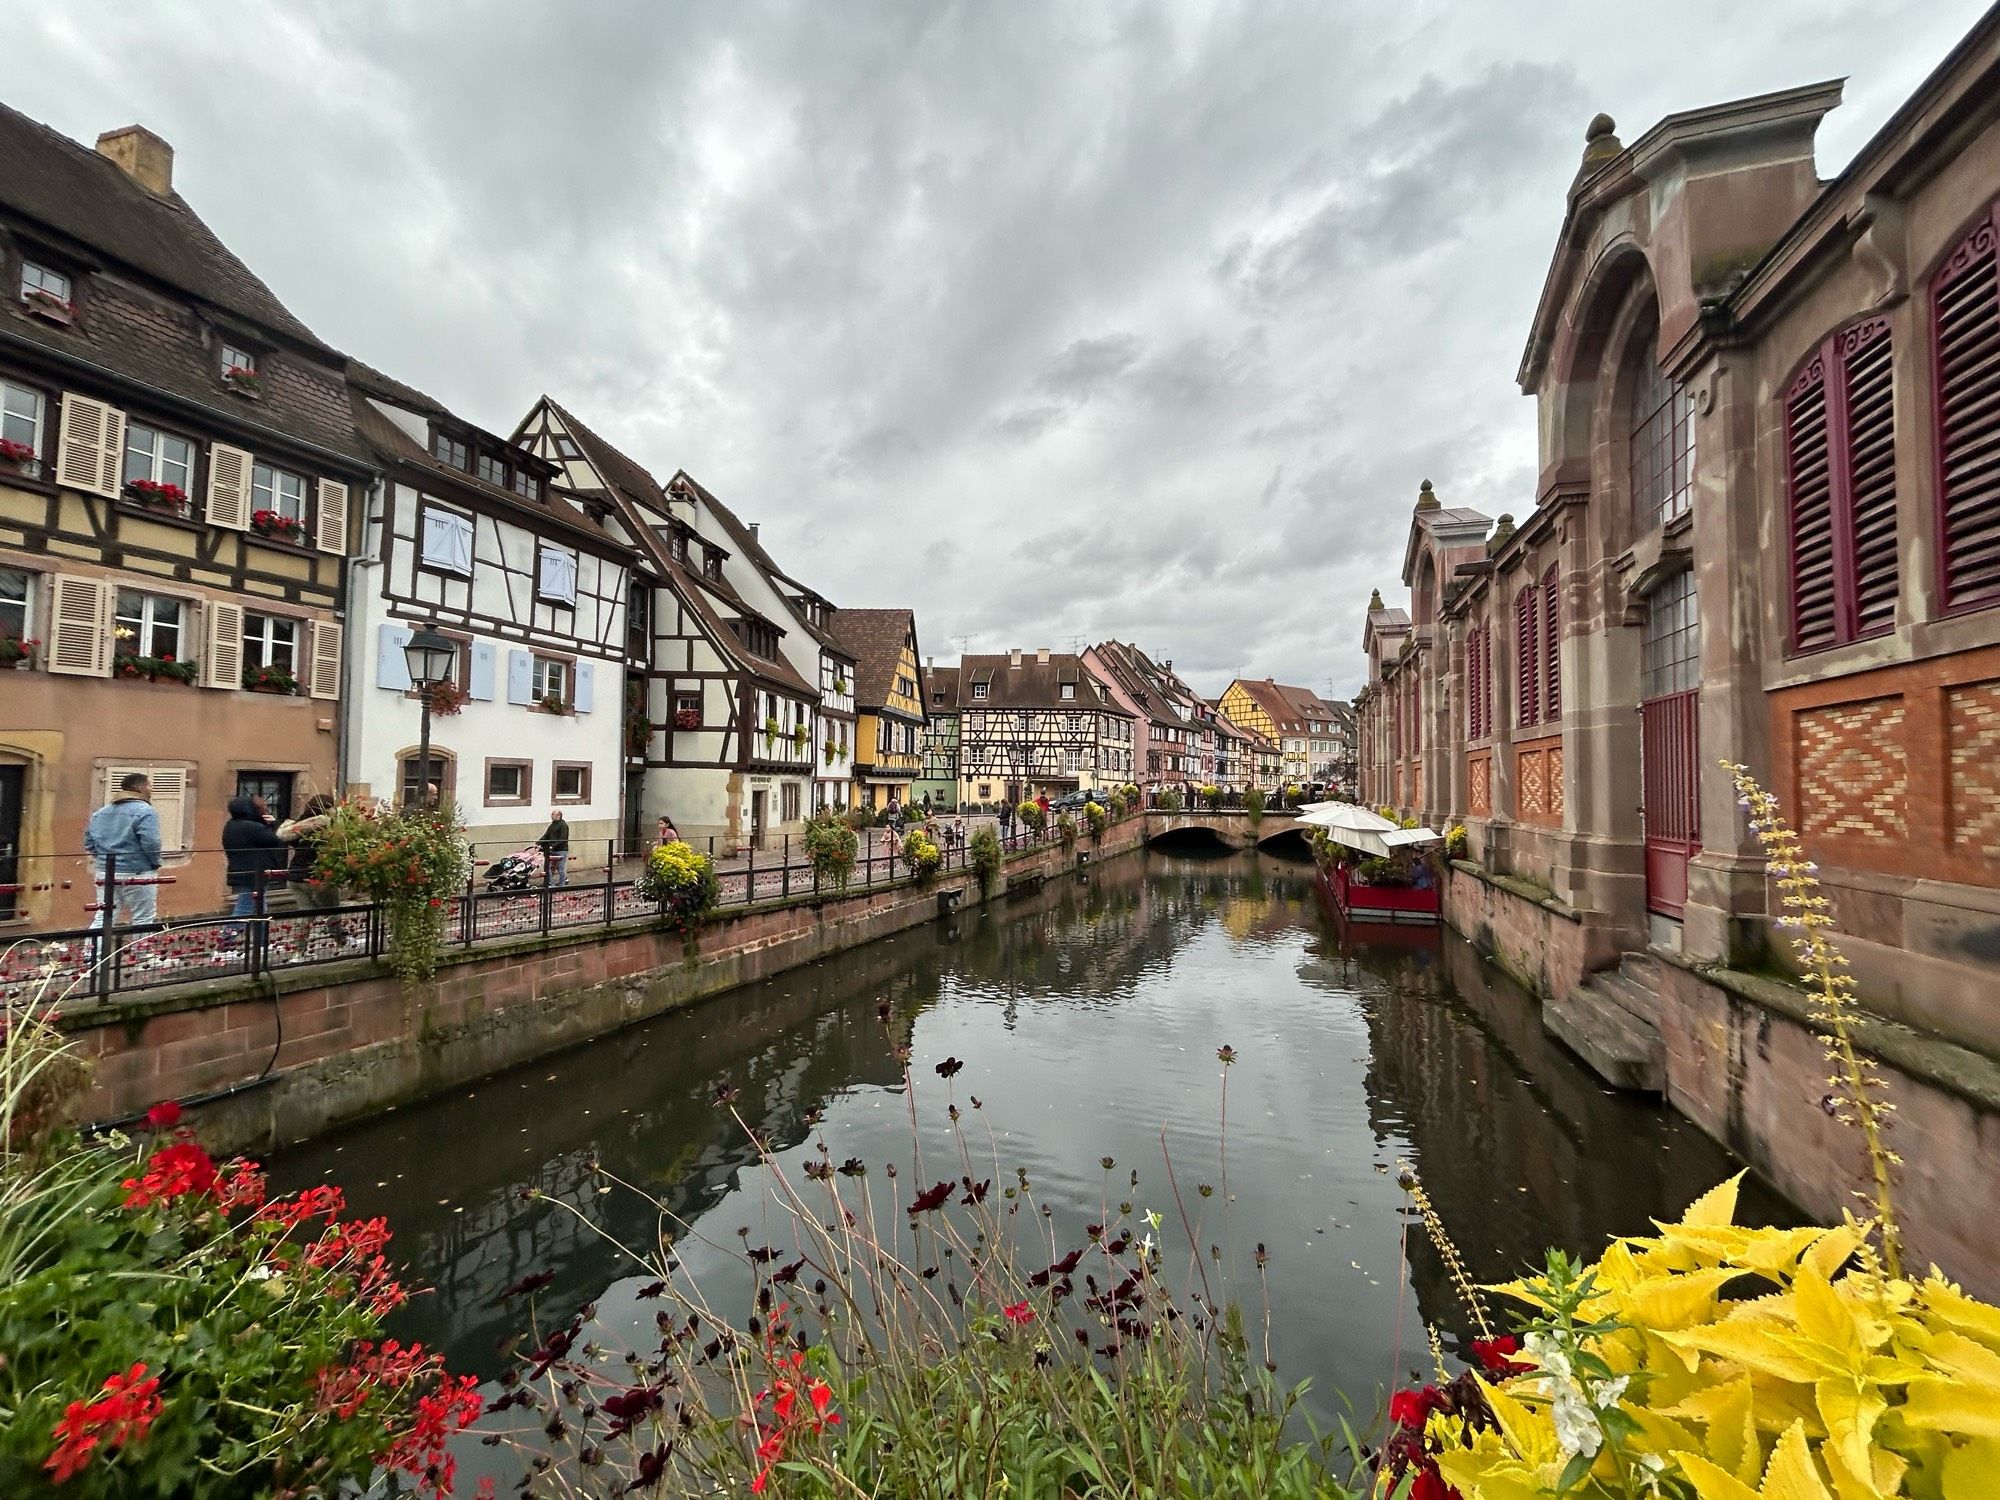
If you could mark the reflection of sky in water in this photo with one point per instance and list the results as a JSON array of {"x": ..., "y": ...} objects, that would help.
[{"x": 1088, "y": 1018}]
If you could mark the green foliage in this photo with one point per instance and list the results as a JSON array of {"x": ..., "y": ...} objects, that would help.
[
  {"x": 1253, "y": 806},
  {"x": 831, "y": 846},
  {"x": 986, "y": 856},
  {"x": 859, "y": 816},
  {"x": 922, "y": 855},
  {"x": 1170, "y": 801},
  {"x": 1211, "y": 797},
  {"x": 1457, "y": 841},
  {"x": 1032, "y": 817},
  {"x": 1066, "y": 830},
  {"x": 682, "y": 882},
  {"x": 1098, "y": 817},
  {"x": 411, "y": 860}
]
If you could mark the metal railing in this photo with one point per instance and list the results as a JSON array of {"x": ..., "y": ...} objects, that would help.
[{"x": 297, "y": 927}]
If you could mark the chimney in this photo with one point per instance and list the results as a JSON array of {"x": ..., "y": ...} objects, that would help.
[
  {"x": 1014, "y": 659},
  {"x": 1042, "y": 657},
  {"x": 141, "y": 156},
  {"x": 1168, "y": 664},
  {"x": 753, "y": 531}
]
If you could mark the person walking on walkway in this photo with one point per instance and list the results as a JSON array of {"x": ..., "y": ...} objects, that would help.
[
  {"x": 123, "y": 837},
  {"x": 302, "y": 872},
  {"x": 668, "y": 833},
  {"x": 252, "y": 850},
  {"x": 554, "y": 844}
]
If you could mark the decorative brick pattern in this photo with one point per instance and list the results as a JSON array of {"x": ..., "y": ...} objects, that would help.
[
  {"x": 1538, "y": 793},
  {"x": 1853, "y": 773},
  {"x": 1972, "y": 727},
  {"x": 1528, "y": 794},
  {"x": 1554, "y": 760},
  {"x": 1479, "y": 785}
]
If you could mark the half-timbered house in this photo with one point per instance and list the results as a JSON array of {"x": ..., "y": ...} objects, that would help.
[
  {"x": 176, "y": 475},
  {"x": 888, "y": 701},
  {"x": 938, "y": 785},
  {"x": 1164, "y": 750},
  {"x": 465, "y": 532},
  {"x": 724, "y": 723},
  {"x": 1035, "y": 722}
]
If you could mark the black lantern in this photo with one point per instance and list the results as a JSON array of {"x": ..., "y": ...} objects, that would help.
[{"x": 431, "y": 656}]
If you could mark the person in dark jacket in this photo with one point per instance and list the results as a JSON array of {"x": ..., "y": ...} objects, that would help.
[
  {"x": 253, "y": 852},
  {"x": 302, "y": 872},
  {"x": 554, "y": 844}
]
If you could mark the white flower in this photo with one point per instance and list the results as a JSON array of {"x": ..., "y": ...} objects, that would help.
[
  {"x": 1576, "y": 1424},
  {"x": 1146, "y": 1250},
  {"x": 1152, "y": 1218}
]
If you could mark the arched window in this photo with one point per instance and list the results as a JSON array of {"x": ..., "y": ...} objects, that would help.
[
  {"x": 1840, "y": 484},
  {"x": 1662, "y": 446},
  {"x": 1965, "y": 330}
]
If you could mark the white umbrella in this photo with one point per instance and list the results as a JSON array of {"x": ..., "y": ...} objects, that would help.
[{"x": 1358, "y": 828}]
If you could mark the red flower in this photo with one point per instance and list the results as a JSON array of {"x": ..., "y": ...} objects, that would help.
[
  {"x": 173, "y": 1172},
  {"x": 1430, "y": 1485},
  {"x": 1019, "y": 1313},
  {"x": 1412, "y": 1409},
  {"x": 1495, "y": 1355},
  {"x": 121, "y": 1415},
  {"x": 163, "y": 1116}
]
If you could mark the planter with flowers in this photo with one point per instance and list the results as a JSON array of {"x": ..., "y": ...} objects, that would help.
[
  {"x": 771, "y": 728},
  {"x": 157, "y": 494},
  {"x": 447, "y": 698},
  {"x": 801, "y": 739},
  {"x": 155, "y": 669},
  {"x": 20, "y": 457},
  {"x": 553, "y": 703},
  {"x": 46, "y": 304},
  {"x": 243, "y": 381},
  {"x": 687, "y": 718},
  {"x": 278, "y": 527},
  {"x": 834, "y": 752},
  {"x": 18, "y": 651},
  {"x": 839, "y": 686},
  {"x": 270, "y": 680}
]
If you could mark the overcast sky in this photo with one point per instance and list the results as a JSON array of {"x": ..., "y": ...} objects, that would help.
[{"x": 1054, "y": 321}]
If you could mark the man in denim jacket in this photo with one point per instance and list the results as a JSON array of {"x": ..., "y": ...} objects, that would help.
[{"x": 125, "y": 834}]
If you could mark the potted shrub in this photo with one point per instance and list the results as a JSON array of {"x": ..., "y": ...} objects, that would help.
[
  {"x": 839, "y": 683},
  {"x": 279, "y": 528},
  {"x": 18, "y": 651},
  {"x": 20, "y": 457},
  {"x": 771, "y": 728},
  {"x": 801, "y": 737},
  {"x": 157, "y": 494},
  {"x": 270, "y": 680},
  {"x": 681, "y": 882},
  {"x": 921, "y": 855},
  {"x": 831, "y": 845}
]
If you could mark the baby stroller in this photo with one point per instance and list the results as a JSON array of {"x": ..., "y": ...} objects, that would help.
[{"x": 519, "y": 871}]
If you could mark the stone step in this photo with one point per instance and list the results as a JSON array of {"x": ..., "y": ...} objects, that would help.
[
  {"x": 1634, "y": 995},
  {"x": 1621, "y": 1048}
]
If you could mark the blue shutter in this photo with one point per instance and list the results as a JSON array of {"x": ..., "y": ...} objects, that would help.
[
  {"x": 392, "y": 668},
  {"x": 520, "y": 677},
  {"x": 485, "y": 659},
  {"x": 586, "y": 673}
]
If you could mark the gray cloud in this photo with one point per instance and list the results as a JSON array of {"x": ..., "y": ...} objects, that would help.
[{"x": 1052, "y": 321}]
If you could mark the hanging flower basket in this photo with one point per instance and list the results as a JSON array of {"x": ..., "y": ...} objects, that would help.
[
  {"x": 447, "y": 698},
  {"x": 839, "y": 685},
  {"x": 278, "y": 527}
]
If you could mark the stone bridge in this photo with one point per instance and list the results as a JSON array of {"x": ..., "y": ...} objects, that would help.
[{"x": 1276, "y": 831}]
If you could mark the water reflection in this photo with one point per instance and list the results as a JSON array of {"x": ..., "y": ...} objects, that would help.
[{"x": 1088, "y": 1015}]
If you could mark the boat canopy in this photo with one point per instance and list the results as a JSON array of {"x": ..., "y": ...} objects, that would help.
[{"x": 1360, "y": 828}]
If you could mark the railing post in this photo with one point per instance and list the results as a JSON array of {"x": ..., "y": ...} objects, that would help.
[
  {"x": 107, "y": 956},
  {"x": 468, "y": 911},
  {"x": 750, "y": 882},
  {"x": 548, "y": 900},
  {"x": 258, "y": 947},
  {"x": 610, "y": 880},
  {"x": 785, "y": 881}
]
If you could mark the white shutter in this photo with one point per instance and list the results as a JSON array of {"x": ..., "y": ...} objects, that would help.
[
  {"x": 170, "y": 799},
  {"x": 332, "y": 533},
  {"x": 461, "y": 547},
  {"x": 586, "y": 681},
  {"x": 79, "y": 626},
  {"x": 324, "y": 681},
  {"x": 222, "y": 646},
  {"x": 90, "y": 445},
  {"x": 479, "y": 684},
  {"x": 228, "y": 487},
  {"x": 392, "y": 667},
  {"x": 520, "y": 677}
]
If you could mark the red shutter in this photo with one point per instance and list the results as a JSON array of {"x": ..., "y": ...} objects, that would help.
[
  {"x": 1527, "y": 681},
  {"x": 1870, "y": 476},
  {"x": 1809, "y": 480},
  {"x": 1474, "y": 689},
  {"x": 1965, "y": 308},
  {"x": 1552, "y": 694}
]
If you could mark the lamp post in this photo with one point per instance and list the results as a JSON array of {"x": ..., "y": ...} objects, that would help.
[{"x": 430, "y": 655}]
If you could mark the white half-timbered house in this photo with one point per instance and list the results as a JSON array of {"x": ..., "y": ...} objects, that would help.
[
  {"x": 467, "y": 531},
  {"x": 1037, "y": 722},
  {"x": 723, "y": 731}
]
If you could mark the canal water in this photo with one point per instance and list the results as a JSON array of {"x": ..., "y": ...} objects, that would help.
[{"x": 1087, "y": 1015}]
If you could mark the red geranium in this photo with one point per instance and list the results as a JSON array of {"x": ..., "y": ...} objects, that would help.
[
  {"x": 1495, "y": 1355},
  {"x": 173, "y": 1172},
  {"x": 1412, "y": 1409},
  {"x": 119, "y": 1416},
  {"x": 163, "y": 1116}
]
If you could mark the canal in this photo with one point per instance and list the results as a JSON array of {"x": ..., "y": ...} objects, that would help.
[{"x": 1087, "y": 1015}]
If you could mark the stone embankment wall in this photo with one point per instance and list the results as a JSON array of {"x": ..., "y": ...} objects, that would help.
[{"x": 309, "y": 1050}]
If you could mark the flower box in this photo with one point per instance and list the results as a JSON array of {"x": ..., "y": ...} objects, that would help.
[
  {"x": 243, "y": 382},
  {"x": 687, "y": 718},
  {"x": 156, "y": 494},
  {"x": 20, "y": 456},
  {"x": 554, "y": 703},
  {"x": 18, "y": 651},
  {"x": 155, "y": 669},
  {"x": 270, "y": 680},
  {"x": 447, "y": 698},
  {"x": 48, "y": 305},
  {"x": 279, "y": 528}
]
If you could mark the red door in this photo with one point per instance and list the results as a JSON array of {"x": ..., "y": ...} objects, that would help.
[{"x": 1670, "y": 752}]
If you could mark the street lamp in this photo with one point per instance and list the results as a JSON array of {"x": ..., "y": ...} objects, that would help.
[{"x": 430, "y": 655}]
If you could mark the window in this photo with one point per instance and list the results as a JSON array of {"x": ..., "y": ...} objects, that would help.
[
  {"x": 985, "y": 790},
  {"x": 158, "y": 457},
  {"x": 1670, "y": 650},
  {"x": 278, "y": 492},
  {"x": 978, "y": 692},
  {"x": 147, "y": 625},
  {"x": 1662, "y": 447},
  {"x": 1478, "y": 689},
  {"x": 1840, "y": 483},
  {"x": 1965, "y": 328},
  {"x": 509, "y": 781},
  {"x": 1527, "y": 674},
  {"x": 444, "y": 776},
  {"x": 269, "y": 641},
  {"x": 275, "y": 787},
  {"x": 21, "y": 417},
  {"x": 447, "y": 544},
  {"x": 687, "y": 710},
  {"x": 788, "y": 802},
  {"x": 679, "y": 546},
  {"x": 555, "y": 574},
  {"x": 450, "y": 450},
  {"x": 1551, "y": 649},
  {"x": 571, "y": 781},
  {"x": 551, "y": 680},
  {"x": 237, "y": 360},
  {"x": 525, "y": 485},
  {"x": 1067, "y": 692},
  {"x": 15, "y": 603},
  {"x": 40, "y": 284},
  {"x": 711, "y": 565},
  {"x": 492, "y": 471}
]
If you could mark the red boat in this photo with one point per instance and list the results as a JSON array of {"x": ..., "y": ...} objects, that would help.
[{"x": 1399, "y": 904}]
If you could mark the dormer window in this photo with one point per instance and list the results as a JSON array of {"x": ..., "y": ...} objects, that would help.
[
  {"x": 1068, "y": 692},
  {"x": 525, "y": 485},
  {"x": 451, "y": 451},
  {"x": 48, "y": 292},
  {"x": 711, "y": 565},
  {"x": 979, "y": 692},
  {"x": 237, "y": 360}
]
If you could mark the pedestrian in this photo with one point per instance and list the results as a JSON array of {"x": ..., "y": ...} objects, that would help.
[
  {"x": 889, "y": 845},
  {"x": 252, "y": 851},
  {"x": 1006, "y": 816},
  {"x": 1042, "y": 801},
  {"x": 123, "y": 841},
  {"x": 554, "y": 844},
  {"x": 302, "y": 869},
  {"x": 668, "y": 833}
]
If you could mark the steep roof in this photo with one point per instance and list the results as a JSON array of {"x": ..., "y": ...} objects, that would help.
[
  {"x": 752, "y": 547},
  {"x": 1140, "y": 681},
  {"x": 1034, "y": 683},
  {"x": 876, "y": 637},
  {"x": 943, "y": 686},
  {"x": 1268, "y": 696}
]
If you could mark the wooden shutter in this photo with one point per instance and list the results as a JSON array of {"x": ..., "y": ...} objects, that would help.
[
  {"x": 1475, "y": 685},
  {"x": 228, "y": 487},
  {"x": 586, "y": 685},
  {"x": 323, "y": 681},
  {"x": 331, "y": 533},
  {"x": 90, "y": 445},
  {"x": 222, "y": 646},
  {"x": 80, "y": 626},
  {"x": 481, "y": 671},
  {"x": 1527, "y": 677},
  {"x": 1551, "y": 648},
  {"x": 392, "y": 667},
  {"x": 1869, "y": 476},
  {"x": 1809, "y": 484},
  {"x": 1965, "y": 311},
  {"x": 520, "y": 677}
]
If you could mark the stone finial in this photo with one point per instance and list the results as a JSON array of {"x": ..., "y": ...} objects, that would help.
[
  {"x": 1600, "y": 145},
  {"x": 1426, "y": 497},
  {"x": 1375, "y": 599},
  {"x": 1503, "y": 529}
]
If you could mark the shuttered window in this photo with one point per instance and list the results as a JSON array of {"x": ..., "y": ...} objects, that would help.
[
  {"x": 169, "y": 798},
  {"x": 1840, "y": 481},
  {"x": 1475, "y": 684},
  {"x": 1551, "y": 648},
  {"x": 1527, "y": 658},
  {"x": 1965, "y": 323}
]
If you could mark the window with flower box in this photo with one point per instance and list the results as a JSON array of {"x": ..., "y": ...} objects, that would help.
[
  {"x": 687, "y": 710},
  {"x": 16, "y": 609},
  {"x": 236, "y": 360},
  {"x": 46, "y": 289},
  {"x": 1965, "y": 334},
  {"x": 148, "y": 625},
  {"x": 551, "y": 680},
  {"x": 21, "y": 413},
  {"x": 159, "y": 468},
  {"x": 278, "y": 492},
  {"x": 270, "y": 651}
]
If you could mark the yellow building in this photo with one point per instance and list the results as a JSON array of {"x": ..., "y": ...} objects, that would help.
[{"x": 888, "y": 702}]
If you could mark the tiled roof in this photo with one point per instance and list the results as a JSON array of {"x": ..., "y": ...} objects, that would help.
[
  {"x": 876, "y": 637},
  {"x": 1032, "y": 684},
  {"x": 1136, "y": 677},
  {"x": 752, "y": 547},
  {"x": 943, "y": 685}
]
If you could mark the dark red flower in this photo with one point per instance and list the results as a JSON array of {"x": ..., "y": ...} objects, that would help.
[
  {"x": 173, "y": 1172},
  {"x": 1412, "y": 1409},
  {"x": 1019, "y": 1313},
  {"x": 931, "y": 1199},
  {"x": 163, "y": 1116},
  {"x": 1495, "y": 1355}
]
